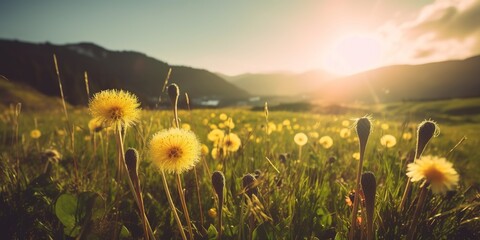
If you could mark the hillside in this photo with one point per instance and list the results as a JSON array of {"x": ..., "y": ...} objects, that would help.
[
  {"x": 32, "y": 64},
  {"x": 279, "y": 84},
  {"x": 449, "y": 79}
]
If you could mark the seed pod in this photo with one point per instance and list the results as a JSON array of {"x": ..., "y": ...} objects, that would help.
[
  {"x": 218, "y": 182},
  {"x": 249, "y": 185},
  {"x": 363, "y": 127},
  {"x": 369, "y": 187},
  {"x": 426, "y": 130},
  {"x": 131, "y": 159}
]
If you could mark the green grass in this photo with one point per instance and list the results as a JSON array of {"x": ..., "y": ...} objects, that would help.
[{"x": 306, "y": 200}]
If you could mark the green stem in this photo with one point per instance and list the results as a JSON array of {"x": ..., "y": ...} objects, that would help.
[
  {"x": 184, "y": 206},
  {"x": 172, "y": 206}
]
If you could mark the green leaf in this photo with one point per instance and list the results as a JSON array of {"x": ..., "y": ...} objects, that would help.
[
  {"x": 66, "y": 210},
  {"x": 263, "y": 231},
  {"x": 124, "y": 233},
  {"x": 212, "y": 232}
]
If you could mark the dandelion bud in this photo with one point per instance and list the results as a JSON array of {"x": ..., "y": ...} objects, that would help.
[
  {"x": 257, "y": 173},
  {"x": 173, "y": 92},
  {"x": 249, "y": 185},
  {"x": 363, "y": 127},
  {"x": 426, "y": 130},
  {"x": 131, "y": 159},
  {"x": 218, "y": 181},
  {"x": 369, "y": 187},
  {"x": 52, "y": 155}
]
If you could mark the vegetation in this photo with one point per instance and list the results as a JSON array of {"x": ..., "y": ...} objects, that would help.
[{"x": 61, "y": 177}]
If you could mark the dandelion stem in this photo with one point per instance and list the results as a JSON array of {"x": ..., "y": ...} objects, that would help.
[
  {"x": 123, "y": 167},
  {"x": 172, "y": 206},
  {"x": 184, "y": 205},
  {"x": 199, "y": 198},
  {"x": 421, "y": 201}
]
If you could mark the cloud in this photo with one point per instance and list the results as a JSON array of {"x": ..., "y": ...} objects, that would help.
[{"x": 445, "y": 29}]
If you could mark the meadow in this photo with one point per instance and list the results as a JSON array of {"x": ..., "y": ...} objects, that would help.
[{"x": 60, "y": 178}]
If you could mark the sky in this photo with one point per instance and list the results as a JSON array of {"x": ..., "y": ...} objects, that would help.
[{"x": 251, "y": 36}]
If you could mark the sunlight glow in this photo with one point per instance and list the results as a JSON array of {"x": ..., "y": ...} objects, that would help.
[{"x": 353, "y": 53}]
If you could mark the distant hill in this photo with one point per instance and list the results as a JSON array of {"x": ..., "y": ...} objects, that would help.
[
  {"x": 12, "y": 93},
  {"x": 32, "y": 64},
  {"x": 441, "y": 80},
  {"x": 280, "y": 84}
]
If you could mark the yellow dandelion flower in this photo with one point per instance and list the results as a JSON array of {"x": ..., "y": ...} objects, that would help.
[
  {"x": 326, "y": 142},
  {"x": 215, "y": 153},
  {"x": 407, "y": 135},
  {"x": 186, "y": 126},
  {"x": 223, "y": 116},
  {"x": 215, "y": 135},
  {"x": 296, "y": 127},
  {"x": 213, "y": 126},
  {"x": 356, "y": 155},
  {"x": 212, "y": 212},
  {"x": 95, "y": 125},
  {"x": 212, "y": 115},
  {"x": 175, "y": 150},
  {"x": 231, "y": 142},
  {"x": 35, "y": 134},
  {"x": 205, "y": 121},
  {"x": 300, "y": 139},
  {"x": 204, "y": 150},
  {"x": 115, "y": 108},
  {"x": 384, "y": 126},
  {"x": 345, "y": 133},
  {"x": 286, "y": 122},
  {"x": 437, "y": 171},
  {"x": 229, "y": 124},
  {"x": 61, "y": 132},
  {"x": 221, "y": 125},
  {"x": 271, "y": 127},
  {"x": 258, "y": 140},
  {"x": 345, "y": 123},
  {"x": 388, "y": 141}
]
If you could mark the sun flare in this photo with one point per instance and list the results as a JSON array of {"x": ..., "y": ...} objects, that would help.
[{"x": 353, "y": 53}]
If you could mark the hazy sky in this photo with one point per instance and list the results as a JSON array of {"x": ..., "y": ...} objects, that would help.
[{"x": 238, "y": 36}]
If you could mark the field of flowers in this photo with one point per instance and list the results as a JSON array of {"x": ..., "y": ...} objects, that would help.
[{"x": 114, "y": 171}]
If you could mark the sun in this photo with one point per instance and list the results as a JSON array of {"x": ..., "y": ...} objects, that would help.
[{"x": 353, "y": 53}]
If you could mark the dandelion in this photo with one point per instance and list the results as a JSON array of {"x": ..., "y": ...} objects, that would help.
[
  {"x": 356, "y": 155},
  {"x": 175, "y": 150},
  {"x": 229, "y": 123},
  {"x": 231, "y": 142},
  {"x": 313, "y": 134},
  {"x": 384, "y": 126},
  {"x": 296, "y": 127},
  {"x": 286, "y": 122},
  {"x": 345, "y": 123},
  {"x": 300, "y": 139},
  {"x": 223, "y": 116},
  {"x": 212, "y": 212},
  {"x": 407, "y": 135},
  {"x": 61, "y": 132},
  {"x": 438, "y": 172},
  {"x": 35, "y": 134},
  {"x": 345, "y": 133},
  {"x": 215, "y": 135},
  {"x": 215, "y": 153},
  {"x": 326, "y": 142},
  {"x": 115, "y": 108},
  {"x": 388, "y": 141},
  {"x": 186, "y": 126},
  {"x": 204, "y": 150},
  {"x": 213, "y": 126},
  {"x": 205, "y": 121}
]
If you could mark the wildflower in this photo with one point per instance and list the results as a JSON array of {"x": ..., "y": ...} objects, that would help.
[
  {"x": 286, "y": 122},
  {"x": 175, "y": 150},
  {"x": 215, "y": 135},
  {"x": 300, "y": 139},
  {"x": 60, "y": 132},
  {"x": 213, "y": 126},
  {"x": 223, "y": 116},
  {"x": 204, "y": 150},
  {"x": 356, "y": 155},
  {"x": 384, "y": 126},
  {"x": 407, "y": 135},
  {"x": 231, "y": 142},
  {"x": 215, "y": 153},
  {"x": 296, "y": 127},
  {"x": 326, "y": 142},
  {"x": 437, "y": 171},
  {"x": 52, "y": 154},
  {"x": 115, "y": 108},
  {"x": 35, "y": 134},
  {"x": 388, "y": 141},
  {"x": 345, "y": 133},
  {"x": 229, "y": 123},
  {"x": 271, "y": 127},
  {"x": 313, "y": 134},
  {"x": 186, "y": 126},
  {"x": 205, "y": 121},
  {"x": 212, "y": 212},
  {"x": 345, "y": 123},
  {"x": 94, "y": 125}
]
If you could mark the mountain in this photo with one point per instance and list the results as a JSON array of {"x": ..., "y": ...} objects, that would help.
[
  {"x": 440, "y": 80},
  {"x": 32, "y": 65},
  {"x": 281, "y": 83}
]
